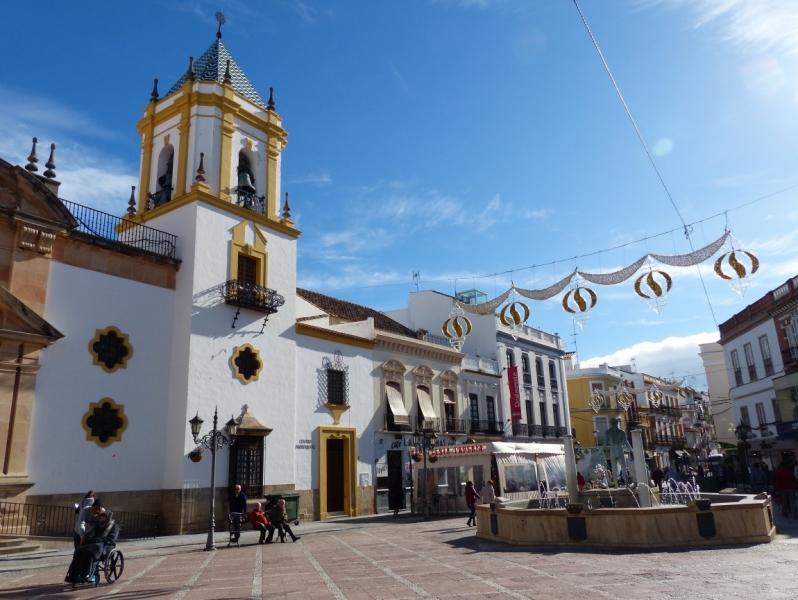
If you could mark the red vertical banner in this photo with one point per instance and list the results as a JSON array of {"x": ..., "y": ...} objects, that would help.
[{"x": 515, "y": 394}]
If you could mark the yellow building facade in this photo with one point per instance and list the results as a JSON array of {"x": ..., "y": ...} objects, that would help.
[{"x": 591, "y": 420}]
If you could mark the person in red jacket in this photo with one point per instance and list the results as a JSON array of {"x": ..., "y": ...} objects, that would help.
[
  {"x": 787, "y": 485},
  {"x": 260, "y": 522},
  {"x": 471, "y": 498}
]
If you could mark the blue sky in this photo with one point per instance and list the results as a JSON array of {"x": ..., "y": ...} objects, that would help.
[{"x": 461, "y": 137}]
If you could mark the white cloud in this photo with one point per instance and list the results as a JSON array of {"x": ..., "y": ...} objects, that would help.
[
  {"x": 87, "y": 175},
  {"x": 763, "y": 25},
  {"x": 322, "y": 177},
  {"x": 673, "y": 356}
]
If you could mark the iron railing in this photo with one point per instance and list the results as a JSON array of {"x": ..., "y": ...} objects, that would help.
[
  {"x": 99, "y": 224},
  {"x": 436, "y": 339},
  {"x": 455, "y": 425},
  {"x": 768, "y": 366},
  {"x": 59, "y": 521},
  {"x": 390, "y": 424},
  {"x": 790, "y": 355},
  {"x": 528, "y": 378},
  {"x": 541, "y": 381},
  {"x": 738, "y": 376},
  {"x": 549, "y": 431},
  {"x": 249, "y": 295},
  {"x": 160, "y": 197},
  {"x": 752, "y": 372},
  {"x": 525, "y": 430},
  {"x": 487, "y": 427},
  {"x": 251, "y": 202}
]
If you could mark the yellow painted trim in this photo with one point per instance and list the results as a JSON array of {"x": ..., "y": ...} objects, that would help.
[
  {"x": 333, "y": 336},
  {"x": 337, "y": 411},
  {"x": 199, "y": 196},
  {"x": 349, "y": 436},
  {"x": 146, "y": 129},
  {"x": 125, "y": 340},
  {"x": 236, "y": 354},
  {"x": 270, "y": 123},
  {"x": 272, "y": 156},
  {"x": 183, "y": 130},
  {"x": 120, "y": 413},
  {"x": 239, "y": 246}
]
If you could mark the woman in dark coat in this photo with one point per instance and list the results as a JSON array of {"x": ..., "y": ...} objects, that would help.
[{"x": 105, "y": 531}]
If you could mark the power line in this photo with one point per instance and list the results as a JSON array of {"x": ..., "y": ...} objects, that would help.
[{"x": 571, "y": 258}]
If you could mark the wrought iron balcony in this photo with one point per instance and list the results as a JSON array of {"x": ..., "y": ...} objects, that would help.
[
  {"x": 738, "y": 376},
  {"x": 390, "y": 424},
  {"x": 159, "y": 198},
  {"x": 251, "y": 296},
  {"x": 561, "y": 431},
  {"x": 752, "y": 372},
  {"x": 790, "y": 356},
  {"x": 528, "y": 378},
  {"x": 486, "y": 427},
  {"x": 768, "y": 366},
  {"x": 98, "y": 224},
  {"x": 549, "y": 431},
  {"x": 251, "y": 201},
  {"x": 455, "y": 425}
]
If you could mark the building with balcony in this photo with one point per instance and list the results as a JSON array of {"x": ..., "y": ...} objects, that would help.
[
  {"x": 591, "y": 421},
  {"x": 759, "y": 345},
  {"x": 491, "y": 350}
]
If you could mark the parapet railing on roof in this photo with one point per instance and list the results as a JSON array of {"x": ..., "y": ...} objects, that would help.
[{"x": 103, "y": 225}]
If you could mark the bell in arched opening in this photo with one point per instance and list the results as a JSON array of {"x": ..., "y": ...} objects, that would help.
[
  {"x": 165, "y": 180},
  {"x": 246, "y": 183}
]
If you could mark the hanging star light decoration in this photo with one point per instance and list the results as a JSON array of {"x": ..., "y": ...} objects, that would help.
[
  {"x": 513, "y": 315},
  {"x": 655, "y": 293},
  {"x": 457, "y": 327},
  {"x": 578, "y": 301},
  {"x": 625, "y": 398},
  {"x": 596, "y": 400},
  {"x": 740, "y": 280}
]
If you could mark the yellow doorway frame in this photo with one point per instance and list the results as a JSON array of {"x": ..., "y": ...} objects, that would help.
[{"x": 349, "y": 437}]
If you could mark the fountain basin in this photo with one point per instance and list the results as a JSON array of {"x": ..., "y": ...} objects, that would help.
[{"x": 730, "y": 520}]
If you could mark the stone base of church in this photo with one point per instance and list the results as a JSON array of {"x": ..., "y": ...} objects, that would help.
[{"x": 183, "y": 511}]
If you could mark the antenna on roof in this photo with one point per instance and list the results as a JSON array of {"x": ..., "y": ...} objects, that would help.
[
  {"x": 220, "y": 19},
  {"x": 416, "y": 277}
]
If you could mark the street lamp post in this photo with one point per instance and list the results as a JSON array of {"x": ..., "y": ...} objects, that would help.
[
  {"x": 423, "y": 435},
  {"x": 215, "y": 440},
  {"x": 743, "y": 430}
]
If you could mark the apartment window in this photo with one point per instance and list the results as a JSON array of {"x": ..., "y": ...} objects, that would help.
[
  {"x": 738, "y": 373},
  {"x": 490, "y": 405},
  {"x": 335, "y": 386},
  {"x": 761, "y": 418},
  {"x": 530, "y": 414},
  {"x": 539, "y": 371},
  {"x": 744, "y": 416},
  {"x": 764, "y": 347},
  {"x": 525, "y": 363},
  {"x": 553, "y": 374},
  {"x": 510, "y": 358},
  {"x": 600, "y": 425},
  {"x": 543, "y": 417},
  {"x": 556, "y": 414},
  {"x": 749, "y": 361},
  {"x": 473, "y": 403},
  {"x": 776, "y": 410}
]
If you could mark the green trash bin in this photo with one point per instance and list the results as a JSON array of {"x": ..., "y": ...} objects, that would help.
[{"x": 291, "y": 503}]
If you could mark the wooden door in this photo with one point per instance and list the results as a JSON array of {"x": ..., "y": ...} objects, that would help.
[{"x": 335, "y": 476}]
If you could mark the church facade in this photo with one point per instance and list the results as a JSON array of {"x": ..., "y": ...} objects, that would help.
[{"x": 116, "y": 331}]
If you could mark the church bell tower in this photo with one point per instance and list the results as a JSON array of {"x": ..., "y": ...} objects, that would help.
[{"x": 211, "y": 137}]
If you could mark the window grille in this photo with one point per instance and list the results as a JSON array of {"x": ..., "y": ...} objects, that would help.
[{"x": 335, "y": 388}]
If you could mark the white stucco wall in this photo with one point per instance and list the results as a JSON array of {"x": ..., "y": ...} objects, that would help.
[
  {"x": 310, "y": 412},
  {"x": 79, "y": 302}
]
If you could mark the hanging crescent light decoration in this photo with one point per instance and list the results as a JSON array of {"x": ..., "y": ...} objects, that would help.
[
  {"x": 514, "y": 315},
  {"x": 625, "y": 398},
  {"x": 686, "y": 392},
  {"x": 657, "y": 292},
  {"x": 456, "y": 328},
  {"x": 596, "y": 400},
  {"x": 578, "y": 301},
  {"x": 740, "y": 278},
  {"x": 654, "y": 395}
]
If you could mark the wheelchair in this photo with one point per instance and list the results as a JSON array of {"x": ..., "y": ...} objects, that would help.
[{"x": 111, "y": 563}]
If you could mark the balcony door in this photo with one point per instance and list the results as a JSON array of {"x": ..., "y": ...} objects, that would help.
[{"x": 490, "y": 409}]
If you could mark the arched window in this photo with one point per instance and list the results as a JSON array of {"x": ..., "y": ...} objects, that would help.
[
  {"x": 246, "y": 192},
  {"x": 163, "y": 194},
  {"x": 246, "y": 177}
]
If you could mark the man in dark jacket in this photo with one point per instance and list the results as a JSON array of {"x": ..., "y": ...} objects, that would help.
[
  {"x": 279, "y": 519},
  {"x": 786, "y": 485},
  {"x": 238, "y": 506}
]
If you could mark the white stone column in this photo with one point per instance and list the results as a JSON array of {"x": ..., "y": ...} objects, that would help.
[
  {"x": 641, "y": 474},
  {"x": 570, "y": 468}
]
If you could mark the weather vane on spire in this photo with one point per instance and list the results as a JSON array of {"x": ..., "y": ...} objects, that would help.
[{"x": 220, "y": 18}]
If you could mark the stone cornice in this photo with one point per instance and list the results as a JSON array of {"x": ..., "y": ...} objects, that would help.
[{"x": 397, "y": 343}]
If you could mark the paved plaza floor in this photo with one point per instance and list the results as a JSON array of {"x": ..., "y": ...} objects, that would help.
[{"x": 377, "y": 558}]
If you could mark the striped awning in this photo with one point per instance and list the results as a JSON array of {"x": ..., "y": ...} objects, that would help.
[
  {"x": 425, "y": 403},
  {"x": 397, "y": 405}
]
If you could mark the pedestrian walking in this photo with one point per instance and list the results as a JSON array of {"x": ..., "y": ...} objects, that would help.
[
  {"x": 786, "y": 484},
  {"x": 471, "y": 498},
  {"x": 83, "y": 511}
]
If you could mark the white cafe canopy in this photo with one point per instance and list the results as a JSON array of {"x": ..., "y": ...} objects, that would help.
[{"x": 526, "y": 448}]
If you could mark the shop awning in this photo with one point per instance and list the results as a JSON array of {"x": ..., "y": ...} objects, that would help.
[
  {"x": 425, "y": 404},
  {"x": 526, "y": 448},
  {"x": 448, "y": 398},
  {"x": 397, "y": 405}
]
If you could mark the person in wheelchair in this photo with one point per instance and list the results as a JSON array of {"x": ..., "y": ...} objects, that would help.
[{"x": 95, "y": 545}]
